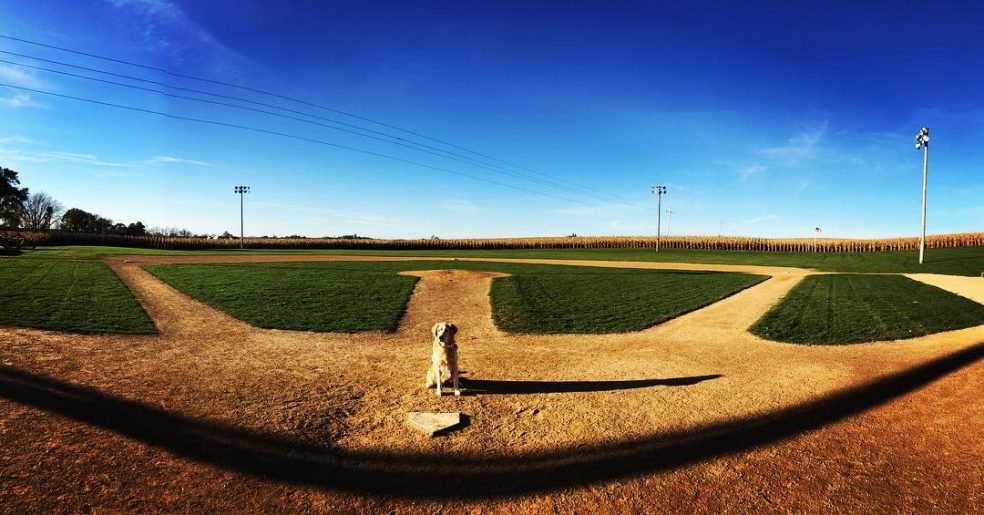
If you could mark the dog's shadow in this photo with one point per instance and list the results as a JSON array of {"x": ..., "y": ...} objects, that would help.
[{"x": 503, "y": 387}]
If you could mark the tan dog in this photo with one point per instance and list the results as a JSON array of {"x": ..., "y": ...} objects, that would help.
[{"x": 444, "y": 357}]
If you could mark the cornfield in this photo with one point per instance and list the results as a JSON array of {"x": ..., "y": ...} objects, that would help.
[{"x": 583, "y": 242}]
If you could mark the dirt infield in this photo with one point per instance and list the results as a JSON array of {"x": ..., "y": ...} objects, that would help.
[{"x": 694, "y": 414}]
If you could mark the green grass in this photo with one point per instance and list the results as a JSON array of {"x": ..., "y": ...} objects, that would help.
[
  {"x": 853, "y": 308},
  {"x": 606, "y": 301},
  {"x": 968, "y": 261},
  {"x": 294, "y": 296},
  {"x": 356, "y": 296},
  {"x": 77, "y": 296}
]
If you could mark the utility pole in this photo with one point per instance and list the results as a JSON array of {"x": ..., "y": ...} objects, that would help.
[
  {"x": 922, "y": 141},
  {"x": 669, "y": 221},
  {"x": 659, "y": 191},
  {"x": 721, "y": 228},
  {"x": 241, "y": 190}
]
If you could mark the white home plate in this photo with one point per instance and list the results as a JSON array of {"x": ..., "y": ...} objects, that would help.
[{"x": 433, "y": 423}]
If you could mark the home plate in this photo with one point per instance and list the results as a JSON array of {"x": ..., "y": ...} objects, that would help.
[{"x": 433, "y": 423}]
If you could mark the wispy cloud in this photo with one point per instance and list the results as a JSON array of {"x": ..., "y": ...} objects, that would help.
[
  {"x": 14, "y": 76},
  {"x": 165, "y": 27},
  {"x": 750, "y": 170},
  {"x": 462, "y": 206},
  {"x": 13, "y": 139},
  {"x": 801, "y": 146},
  {"x": 170, "y": 160},
  {"x": 20, "y": 77},
  {"x": 9, "y": 151},
  {"x": 18, "y": 99}
]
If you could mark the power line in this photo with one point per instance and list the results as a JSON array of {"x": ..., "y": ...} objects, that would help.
[
  {"x": 407, "y": 144},
  {"x": 287, "y": 135},
  {"x": 275, "y": 95},
  {"x": 580, "y": 190}
]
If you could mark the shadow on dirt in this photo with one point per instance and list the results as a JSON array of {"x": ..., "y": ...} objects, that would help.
[
  {"x": 456, "y": 476},
  {"x": 496, "y": 387}
]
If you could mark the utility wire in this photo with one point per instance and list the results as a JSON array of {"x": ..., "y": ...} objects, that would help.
[
  {"x": 280, "y": 96},
  {"x": 580, "y": 190},
  {"x": 408, "y": 144},
  {"x": 287, "y": 135}
]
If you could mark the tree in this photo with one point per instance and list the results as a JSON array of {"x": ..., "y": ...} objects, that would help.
[
  {"x": 40, "y": 211},
  {"x": 136, "y": 229},
  {"x": 12, "y": 199},
  {"x": 77, "y": 220}
]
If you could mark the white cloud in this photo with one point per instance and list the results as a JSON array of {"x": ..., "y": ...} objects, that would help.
[
  {"x": 17, "y": 76},
  {"x": 165, "y": 27},
  {"x": 751, "y": 170},
  {"x": 23, "y": 156},
  {"x": 86, "y": 159},
  {"x": 13, "y": 139},
  {"x": 170, "y": 160},
  {"x": 801, "y": 146},
  {"x": 462, "y": 206},
  {"x": 17, "y": 100}
]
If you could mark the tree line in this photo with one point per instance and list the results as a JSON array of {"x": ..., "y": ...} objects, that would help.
[{"x": 39, "y": 211}]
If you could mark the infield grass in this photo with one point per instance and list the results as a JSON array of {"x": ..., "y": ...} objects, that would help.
[
  {"x": 359, "y": 296},
  {"x": 77, "y": 296},
  {"x": 853, "y": 308}
]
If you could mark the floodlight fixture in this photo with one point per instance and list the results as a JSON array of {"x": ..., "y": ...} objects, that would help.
[{"x": 922, "y": 138}]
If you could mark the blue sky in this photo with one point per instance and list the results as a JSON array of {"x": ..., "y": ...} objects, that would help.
[{"x": 767, "y": 119}]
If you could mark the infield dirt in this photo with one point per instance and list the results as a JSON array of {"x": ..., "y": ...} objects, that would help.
[{"x": 694, "y": 414}]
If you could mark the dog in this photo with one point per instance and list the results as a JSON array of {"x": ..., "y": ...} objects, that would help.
[{"x": 444, "y": 358}]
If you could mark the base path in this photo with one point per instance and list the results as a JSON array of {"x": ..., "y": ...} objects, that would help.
[{"x": 692, "y": 414}]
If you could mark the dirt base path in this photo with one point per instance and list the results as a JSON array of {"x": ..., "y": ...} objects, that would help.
[{"x": 691, "y": 415}]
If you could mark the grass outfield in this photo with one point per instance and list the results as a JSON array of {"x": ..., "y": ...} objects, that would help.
[
  {"x": 968, "y": 261},
  {"x": 358, "y": 296},
  {"x": 851, "y": 308},
  {"x": 78, "y": 296}
]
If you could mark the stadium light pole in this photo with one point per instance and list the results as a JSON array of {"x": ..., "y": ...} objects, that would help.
[
  {"x": 922, "y": 142},
  {"x": 241, "y": 190},
  {"x": 659, "y": 191}
]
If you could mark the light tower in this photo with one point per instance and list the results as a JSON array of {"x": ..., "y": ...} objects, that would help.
[
  {"x": 659, "y": 191},
  {"x": 922, "y": 142},
  {"x": 241, "y": 190}
]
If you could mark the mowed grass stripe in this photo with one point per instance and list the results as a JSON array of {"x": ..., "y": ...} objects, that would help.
[
  {"x": 853, "y": 308},
  {"x": 605, "y": 302},
  {"x": 77, "y": 296},
  {"x": 304, "y": 298},
  {"x": 360, "y": 296}
]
